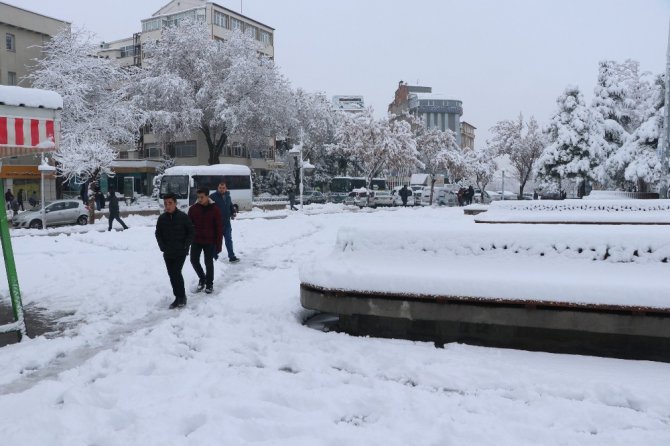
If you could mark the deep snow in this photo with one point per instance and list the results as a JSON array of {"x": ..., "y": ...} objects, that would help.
[{"x": 238, "y": 367}]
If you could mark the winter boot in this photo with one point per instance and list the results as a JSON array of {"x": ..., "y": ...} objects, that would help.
[
  {"x": 201, "y": 285},
  {"x": 209, "y": 289},
  {"x": 174, "y": 304}
]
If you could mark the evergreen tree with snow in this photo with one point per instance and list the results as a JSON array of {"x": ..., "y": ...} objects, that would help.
[{"x": 576, "y": 141}]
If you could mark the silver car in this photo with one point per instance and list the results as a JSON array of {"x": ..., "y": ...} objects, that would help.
[{"x": 60, "y": 212}]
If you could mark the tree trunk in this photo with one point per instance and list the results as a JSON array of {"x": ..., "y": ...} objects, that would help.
[{"x": 214, "y": 144}]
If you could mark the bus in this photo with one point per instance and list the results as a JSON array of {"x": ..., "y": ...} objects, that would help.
[
  {"x": 184, "y": 181},
  {"x": 341, "y": 186}
]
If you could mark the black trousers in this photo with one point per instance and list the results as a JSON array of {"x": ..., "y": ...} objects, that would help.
[
  {"x": 174, "y": 266},
  {"x": 117, "y": 218},
  {"x": 208, "y": 251}
]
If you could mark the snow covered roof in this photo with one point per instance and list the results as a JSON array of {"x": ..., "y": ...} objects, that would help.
[
  {"x": 215, "y": 169},
  {"x": 30, "y": 97},
  {"x": 419, "y": 178}
]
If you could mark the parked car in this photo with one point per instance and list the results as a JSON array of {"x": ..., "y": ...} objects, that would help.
[
  {"x": 396, "y": 200},
  {"x": 359, "y": 197},
  {"x": 417, "y": 191},
  {"x": 60, "y": 212},
  {"x": 383, "y": 198},
  {"x": 478, "y": 197},
  {"x": 313, "y": 196}
]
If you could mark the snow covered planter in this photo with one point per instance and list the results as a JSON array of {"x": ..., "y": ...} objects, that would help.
[
  {"x": 622, "y": 211},
  {"x": 556, "y": 288}
]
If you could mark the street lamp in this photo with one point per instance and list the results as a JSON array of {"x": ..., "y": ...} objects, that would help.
[
  {"x": 304, "y": 166},
  {"x": 45, "y": 169}
]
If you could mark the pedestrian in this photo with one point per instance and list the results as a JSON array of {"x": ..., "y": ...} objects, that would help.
[
  {"x": 19, "y": 198},
  {"x": 174, "y": 234},
  {"x": 33, "y": 199},
  {"x": 83, "y": 192},
  {"x": 9, "y": 196},
  {"x": 222, "y": 199},
  {"x": 15, "y": 206},
  {"x": 114, "y": 213},
  {"x": 404, "y": 193},
  {"x": 208, "y": 225},
  {"x": 461, "y": 195},
  {"x": 471, "y": 194},
  {"x": 291, "y": 198}
]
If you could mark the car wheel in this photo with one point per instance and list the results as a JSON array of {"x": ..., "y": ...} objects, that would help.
[
  {"x": 82, "y": 220},
  {"x": 36, "y": 224}
]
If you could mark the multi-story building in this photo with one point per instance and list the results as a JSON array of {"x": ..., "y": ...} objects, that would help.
[
  {"x": 140, "y": 161},
  {"x": 351, "y": 104},
  {"x": 433, "y": 109},
  {"x": 23, "y": 33},
  {"x": 467, "y": 135}
]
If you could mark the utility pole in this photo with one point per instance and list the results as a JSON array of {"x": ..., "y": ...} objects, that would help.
[{"x": 664, "y": 143}]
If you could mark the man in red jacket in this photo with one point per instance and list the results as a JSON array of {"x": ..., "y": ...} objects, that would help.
[{"x": 208, "y": 225}]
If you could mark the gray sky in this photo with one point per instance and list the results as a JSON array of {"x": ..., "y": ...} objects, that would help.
[{"x": 500, "y": 57}]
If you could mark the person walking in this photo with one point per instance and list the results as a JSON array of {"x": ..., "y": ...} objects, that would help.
[
  {"x": 470, "y": 194},
  {"x": 404, "y": 193},
  {"x": 174, "y": 234},
  {"x": 19, "y": 198},
  {"x": 222, "y": 199},
  {"x": 291, "y": 198},
  {"x": 114, "y": 210},
  {"x": 33, "y": 199},
  {"x": 9, "y": 196},
  {"x": 208, "y": 225}
]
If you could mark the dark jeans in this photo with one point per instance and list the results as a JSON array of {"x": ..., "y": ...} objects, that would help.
[
  {"x": 228, "y": 238},
  {"x": 208, "y": 250},
  {"x": 117, "y": 218},
  {"x": 174, "y": 266}
]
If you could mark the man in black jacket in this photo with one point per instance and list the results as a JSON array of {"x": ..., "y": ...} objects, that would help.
[
  {"x": 222, "y": 199},
  {"x": 114, "y": 210},
  {"x": 174, "y": 234}
]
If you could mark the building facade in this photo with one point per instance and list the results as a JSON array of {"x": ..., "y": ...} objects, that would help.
[
  {"x": 352, "y": 104},
  {"x": 23, "y": 33},
  {"x": 434, "y": 110},
  {"x": 467, "y": 135}
]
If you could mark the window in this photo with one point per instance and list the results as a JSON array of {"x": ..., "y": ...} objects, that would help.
[
  {"x": 123, "y": 155},
  {"x": 221, "y": 19},
  {"x": 11, "y": 78},
  {"x": 184, "y": 149},
  {"x": 264, "y": 37},
  {"x": 250, "y": 30},
  {"x": 151, "y": 25},
  {"x": 127, "y": 51},
  {"x": 235, "y": 24},
  {"x": 10, "y": 41}
]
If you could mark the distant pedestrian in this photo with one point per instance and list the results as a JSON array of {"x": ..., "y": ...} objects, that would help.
[
  {"x": 15, "y": 206},
  {"x": 114, "y": 213},
  {"x": 470, "y": 194},
  {"x": 83, "y": 192},
  {"x": 33, "y": 199},
  {"x": 291, "y": 198},
  {"x": 461, "y": 196},
  {"x": 404, "y": 194},
  {"x": 19, "y": 198},
  {"x": 208, "y": 225},
  {"x": 9, "y": 196},
  {"x": 174, "y": 234},
  {"x": 222, "y": 199}
]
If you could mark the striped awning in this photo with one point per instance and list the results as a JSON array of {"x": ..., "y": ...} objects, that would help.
[{"x": 26, "y": 136}]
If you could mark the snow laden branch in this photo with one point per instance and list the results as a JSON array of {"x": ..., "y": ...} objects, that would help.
[
  {"x": 372, "y": 145},
  {"x": 97, "y": 112},
  {"x": 522, "y": 142},
  {"x": 224, "y": 89},
  {"x": 438, "y": 152},
  {"x": 481, "y": 165}
]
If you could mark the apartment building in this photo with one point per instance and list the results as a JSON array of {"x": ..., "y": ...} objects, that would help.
[
  {"x": 434, "y": 110},
  {"x": 140, "y": 161},
  {"x": 467, "y": 135},
  {"x": 23, "y": 32}
]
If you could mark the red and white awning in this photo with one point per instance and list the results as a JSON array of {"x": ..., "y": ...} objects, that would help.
[{"x": 25, "y": 136}]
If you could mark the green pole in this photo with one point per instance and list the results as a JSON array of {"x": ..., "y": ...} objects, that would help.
[{"x": 10, "y": 266}]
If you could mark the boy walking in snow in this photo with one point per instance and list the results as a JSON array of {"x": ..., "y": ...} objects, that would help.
[
  {"x": 206, "y": 219},
  {"x": 114, "y": 210},
  {"x": 222, "y": 199},
  {"x": 174, "y": 234}
]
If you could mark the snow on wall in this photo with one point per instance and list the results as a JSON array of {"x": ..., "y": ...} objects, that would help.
[
  {"x": 30, "y": 97},
  {"x": 623, "y": 266}
]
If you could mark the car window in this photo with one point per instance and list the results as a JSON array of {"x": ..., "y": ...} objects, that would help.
[
  {"x": 72, "y": 204},
  {"x": 55, "y": 207}
]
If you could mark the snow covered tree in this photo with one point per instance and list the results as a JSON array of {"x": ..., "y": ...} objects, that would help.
[
  {"x": 438, "y": 151},
  {"x": 639, "y": 152},
  {"x": 482, "y": 166},
  {"x": 97, "y": 112},
  {"x": 221, "y": 88},
  {"x": 373, "y": 145},
  {"x": 522, "y": 142},
  {"x": 576, "y": 142},
  {"x": 620, "y": 94}
]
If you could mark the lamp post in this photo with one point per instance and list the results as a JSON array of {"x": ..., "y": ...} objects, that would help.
[
  {"x": 304, "y": 166},
  {"x": 44, "y": 169},
  {"x": 503, "y": 185}
]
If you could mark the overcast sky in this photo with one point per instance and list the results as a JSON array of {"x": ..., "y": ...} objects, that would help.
[{"x": 500, "y": 57}]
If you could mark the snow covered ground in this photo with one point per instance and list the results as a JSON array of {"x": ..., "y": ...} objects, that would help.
[{"x": 238, "y": 366}]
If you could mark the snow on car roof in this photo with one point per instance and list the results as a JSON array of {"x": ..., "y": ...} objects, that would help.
[{"x": 214, "y": 169}]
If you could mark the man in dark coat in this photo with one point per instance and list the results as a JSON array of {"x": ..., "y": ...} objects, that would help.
[
  {"x": 114, "y": 210},
  {"x": 208, "y": 225},
  {"x": 174, "y": 234},
  {"x": 222, "y": 199},
  {"x": 404, "y": 193},
  {"x": 9, "y": 196}
]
